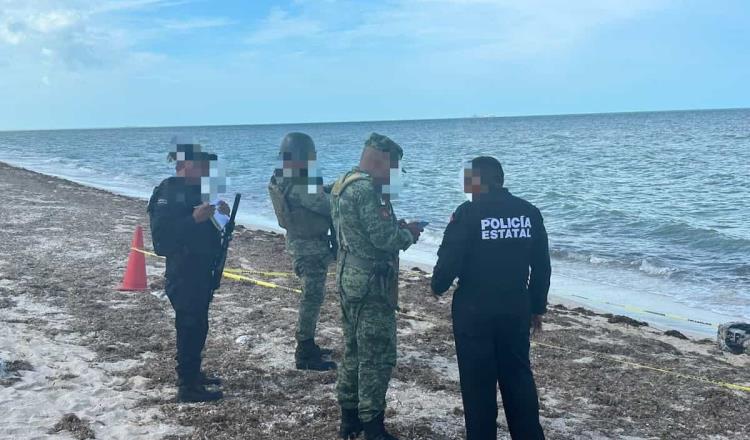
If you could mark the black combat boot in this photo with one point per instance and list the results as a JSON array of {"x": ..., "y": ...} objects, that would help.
[
  {"x": 323, "y": 351},
  {"x": 203, "y": 379},
  {"x": 351, "y": 426},
  {"x": 375, "y": 430},
  {"x": 197, "y": 393},
  {"x": 308, "y": 357}
]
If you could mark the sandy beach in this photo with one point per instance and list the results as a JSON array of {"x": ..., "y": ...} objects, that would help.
[{"x": 72, "y": 344}]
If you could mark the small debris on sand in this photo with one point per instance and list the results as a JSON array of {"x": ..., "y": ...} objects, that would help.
[
  {"x": 14, "y": 366},
  {"x": 584, "y": 312},
  {"x": 675, "y": 334},
  {"x": 620, "y": 319},
  {"x": 9, "y": 371},
  {"x": 78, "y": 428}
]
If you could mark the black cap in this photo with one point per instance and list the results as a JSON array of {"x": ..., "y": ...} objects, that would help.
[
  {"x": 190, "y": 152},
  {"x": 490, "y": 170}
]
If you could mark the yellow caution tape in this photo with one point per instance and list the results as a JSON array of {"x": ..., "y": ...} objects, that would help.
[
  {"x": 240, "y": 270},
  {"x": 624, "y": 306},
  {"x": 728, "y": 385},
  {"x": 145, "y": 252},
  {"x": 651, "y": 312},
  {"x": 290, "y": 274},
  {"x": 255, "y": 271},
  {"x": 268, "y": 274},
  {"x": 260, "y": 272},
  {"x": 236, "y": 277},
  {"x": 228, "y": 273}
]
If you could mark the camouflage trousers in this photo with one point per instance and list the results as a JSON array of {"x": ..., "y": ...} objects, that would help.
[
  {"x": 312, "y": 269},
  {"x": 369, "y": 327}
]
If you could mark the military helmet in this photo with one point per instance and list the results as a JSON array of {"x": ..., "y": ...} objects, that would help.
[{"x": 297, "y": 146}]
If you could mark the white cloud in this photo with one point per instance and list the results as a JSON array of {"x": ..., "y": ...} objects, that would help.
[
  {"x": 9, "y": 35},
  {"x": 279, "y": 25},
  {"x": 498, "y": 29},
  {"x": 122, "y": 5},
  {"x": 196, "y": 23},
  {"x": 61, "y": 31},
  {"x": 79, "y": 34},
  {"x": 52, "y": 21}
]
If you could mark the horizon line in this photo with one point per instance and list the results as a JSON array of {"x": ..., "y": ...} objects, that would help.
[{"x": 538, "y": 115}]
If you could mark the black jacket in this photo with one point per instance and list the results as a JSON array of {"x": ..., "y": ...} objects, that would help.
[
  {"x": 186, "y": 244},
  {"x": 497, "y": 247}
]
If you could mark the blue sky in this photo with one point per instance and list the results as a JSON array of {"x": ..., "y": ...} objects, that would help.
[{"x": 112, "y": 63}]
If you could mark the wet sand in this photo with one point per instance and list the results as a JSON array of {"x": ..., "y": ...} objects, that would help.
[{"x": 77, "y": 345}]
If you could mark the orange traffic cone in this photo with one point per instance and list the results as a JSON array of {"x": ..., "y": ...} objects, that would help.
[{"x": 135, "y": 273}]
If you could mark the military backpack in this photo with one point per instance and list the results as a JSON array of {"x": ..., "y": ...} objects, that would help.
[{"x": 298, "y": 221}]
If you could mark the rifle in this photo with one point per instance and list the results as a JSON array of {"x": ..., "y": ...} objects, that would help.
[{"x": 218, "y": 269}]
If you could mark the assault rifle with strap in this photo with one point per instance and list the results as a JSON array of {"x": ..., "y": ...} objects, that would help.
[{"x": 226, "y": 237}]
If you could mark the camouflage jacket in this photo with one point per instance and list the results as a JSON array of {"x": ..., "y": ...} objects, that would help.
[
  {"x": 316, "y": 203},
  {"x": 365, "y": 225}
]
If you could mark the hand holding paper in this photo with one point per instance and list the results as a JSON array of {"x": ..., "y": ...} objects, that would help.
[{"x": 221, "y": 215}]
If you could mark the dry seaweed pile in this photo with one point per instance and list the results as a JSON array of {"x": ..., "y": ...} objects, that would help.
[
  {"x": 10, "y": 371},
  {"x": 78, "y": 428}
]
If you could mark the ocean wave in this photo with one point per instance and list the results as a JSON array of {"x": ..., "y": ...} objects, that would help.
[
  {"x": 648, "y": 266},
  {"x": 735, "y": 136},
  {"x": 742, "y": 270},
  {"x": 699, "y": 238}
]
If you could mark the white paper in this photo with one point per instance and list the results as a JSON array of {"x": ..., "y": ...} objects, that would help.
[{"x": 219, "y": 220}]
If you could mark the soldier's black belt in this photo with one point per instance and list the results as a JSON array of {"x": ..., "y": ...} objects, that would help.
[{"x": 361, "y": 262}]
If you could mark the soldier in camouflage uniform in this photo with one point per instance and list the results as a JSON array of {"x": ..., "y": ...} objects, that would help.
[
  {"x": 303, "y": 208},
  {"x": 369, "y": 239}
]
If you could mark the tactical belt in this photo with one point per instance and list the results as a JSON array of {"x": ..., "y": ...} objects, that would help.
[
  {"x": 363, "y": 263},
  {"x": 321, "y": 237},
  {"x": 381, "y": 271}
]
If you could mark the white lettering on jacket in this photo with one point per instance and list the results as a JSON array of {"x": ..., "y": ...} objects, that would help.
[{"x": 502, "y": 228}]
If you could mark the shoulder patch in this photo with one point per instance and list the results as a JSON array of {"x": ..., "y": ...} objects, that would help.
[{"x": 161, "y": 202}]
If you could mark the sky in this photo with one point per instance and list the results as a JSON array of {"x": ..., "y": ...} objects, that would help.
[{"x": 116, "y": 63}]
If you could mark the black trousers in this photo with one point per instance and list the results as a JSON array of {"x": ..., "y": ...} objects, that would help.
[
  {"x": 190, "y": 296},
  {"x": 492, "y": 350}
]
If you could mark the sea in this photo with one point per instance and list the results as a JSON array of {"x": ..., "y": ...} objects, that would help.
[{"x": 648, "y": 213}]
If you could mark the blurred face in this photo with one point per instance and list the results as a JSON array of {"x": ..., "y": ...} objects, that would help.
[
  {"x": 473, "y": 181},
  {"x": 298, "y": 163},
  {"x": 393, "y": 187},
  {"x": 384, "y": 168},
  {"x": 193, "y": 169},
  {"x": 302, "y": 171}
]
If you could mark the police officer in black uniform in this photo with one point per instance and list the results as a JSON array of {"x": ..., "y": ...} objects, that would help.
[
  {"x": 497, "y": 246},
  {"x": 182, "y": 230}
]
